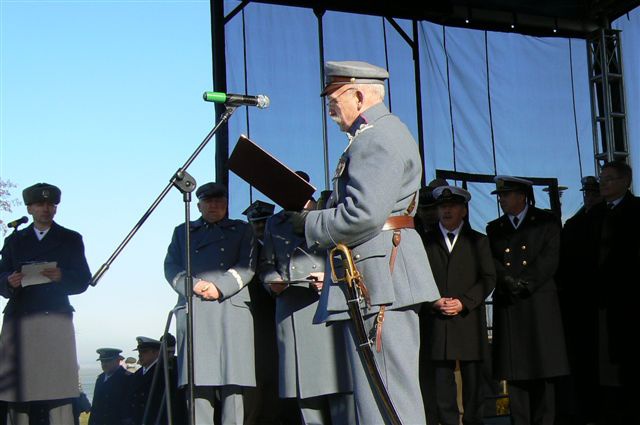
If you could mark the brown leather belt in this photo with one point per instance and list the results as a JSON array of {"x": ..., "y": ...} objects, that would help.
[{"x": 399, "y": 222}]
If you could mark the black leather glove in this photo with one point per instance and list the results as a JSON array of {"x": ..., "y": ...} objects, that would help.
[
  {"x": 515, "y": 286},
  {"x": 297, "y": 220}
]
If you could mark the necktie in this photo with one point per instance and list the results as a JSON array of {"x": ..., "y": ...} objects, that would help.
[
  {"x": 516, "y": 220},
  {"x": 451, "y": 237}
]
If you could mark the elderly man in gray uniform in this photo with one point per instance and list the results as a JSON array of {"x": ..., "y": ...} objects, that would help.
[
  {"x": 309, "y": 367},
  {"x": 223, "y": 260},
  {"x": 371, "y": 211},
  {"x": 37, "y": 330}
]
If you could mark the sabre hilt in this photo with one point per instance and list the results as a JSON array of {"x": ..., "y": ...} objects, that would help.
[{"x": 352, "y": 276}]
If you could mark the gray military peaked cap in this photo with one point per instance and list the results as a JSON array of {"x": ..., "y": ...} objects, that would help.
[{"x": 352, "y": 72}]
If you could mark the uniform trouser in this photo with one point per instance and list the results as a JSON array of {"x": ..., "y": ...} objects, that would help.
[
  {"x": 532, "y": 402},
  {"x": 447, "y": 392},
  {"x": 398, "y": 366},
  {"x": 330, "y": 409},
  {"x": 231, "y": 405},
  {"x": 59, "y": 412}
]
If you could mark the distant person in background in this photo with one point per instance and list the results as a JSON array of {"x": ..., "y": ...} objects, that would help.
[
  {"x": 612, "y": 287},
  {"x": 131, "y": 364},
  {"x": 140, "y": 386},
  {"x": 529, "y": 349},
  {"x": 37, "y": 330},
  {"x": 312, "y": 369},
  {"x": 110, "y": 391},
  {"x": 456, "y": 325},
  {"x": 427, "y": 212},
  {"x": 179, "y": 407}
]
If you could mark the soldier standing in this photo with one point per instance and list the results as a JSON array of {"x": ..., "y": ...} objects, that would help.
[
  {"x": 223, "y": 259},
  {"x": 109, "y": 394},
  {"x": 528, "y": 340},
  {"x": 37, "y": 330},
  {"x": 371, "y": 212}
]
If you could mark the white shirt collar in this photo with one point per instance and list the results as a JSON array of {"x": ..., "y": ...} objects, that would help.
[
  {"x": 455, "y": 231},
  {"x": 520, "y": 216},
  {"x": 146, "y": 369},
  {"x": 40, "y": 234}
]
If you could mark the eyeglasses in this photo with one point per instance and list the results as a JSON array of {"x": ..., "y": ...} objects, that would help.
[{"x": 334, "y": 101}]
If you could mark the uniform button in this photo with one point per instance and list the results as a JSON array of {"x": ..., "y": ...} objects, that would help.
[
  {"x": 314, "y": 266},
  {"x": 221, "y": 249},
  {"x": 357, "y": 256},
  {"x": 197, "y": 251},
  {"x": 286, "y": 242},
  {"x": 524, "y": 263},
  {"x": 288, "y": 255},
  {"x": 508, "y": 264},
  {"x": 222, "y": 264},
  {"x": 293, "y": 267},
  {"x": 507, "y": 250},
  {"x": 523, "y": 247}
]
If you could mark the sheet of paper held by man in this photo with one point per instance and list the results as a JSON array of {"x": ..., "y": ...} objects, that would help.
[{"x": 33, "y": 273}]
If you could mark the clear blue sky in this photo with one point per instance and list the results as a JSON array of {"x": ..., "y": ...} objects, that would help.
[{"x": 103, "y": 99}]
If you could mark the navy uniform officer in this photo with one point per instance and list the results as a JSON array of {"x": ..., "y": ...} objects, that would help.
[
  {"x": 39, "y": 316},
  {"x": 528, "y": 339},
  {"x": 223, "y": 259},
  {"x": 139, "y": 385},
  {"x": 109, "y": 394},
  {"x": 312, "y": 368},
  {"x": 374, "y": 197},
  {"x": 456, "y": 328}
]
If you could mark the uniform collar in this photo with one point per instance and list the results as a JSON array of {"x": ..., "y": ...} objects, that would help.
[{"x": 367, "y": 117}]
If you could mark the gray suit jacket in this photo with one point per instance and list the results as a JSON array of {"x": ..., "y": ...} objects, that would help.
[
  {"x": 378, "y": 176},
  {"x": 310, "y": 356},
  {"x": 223, "y": 253}
]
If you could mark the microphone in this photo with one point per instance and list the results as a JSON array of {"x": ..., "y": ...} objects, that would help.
[
  {"x": 261, "y": 101},
  {"x": 15, "y": 223}
]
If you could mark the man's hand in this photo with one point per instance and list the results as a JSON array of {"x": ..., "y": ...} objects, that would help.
[
  {"x": 206, "y": 290},
  {"x": 317, "y": 279},
  {"x": 297, "y": 220},
  {"x": 55, "y": 274},
  {"x": 448, "y": 306},
  {"x": 15, "y": 279},
  {"x": 515, "y": 286}
]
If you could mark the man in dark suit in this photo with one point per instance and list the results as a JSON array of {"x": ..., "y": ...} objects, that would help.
[
  {"x": 41, "y": 266},
  {"x": 109, "y": 394},
  {"x": 528, "y": 340},
  {"x": 612, "y": 262},
  {"x": 456, "y": 328},
  {"x": 140, "y": 383}
]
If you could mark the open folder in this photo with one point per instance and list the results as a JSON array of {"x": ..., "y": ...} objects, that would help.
[{"x": 270, "y": 176}]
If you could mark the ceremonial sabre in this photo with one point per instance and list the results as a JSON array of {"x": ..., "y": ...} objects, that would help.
[{"x": 356, "y": 292}]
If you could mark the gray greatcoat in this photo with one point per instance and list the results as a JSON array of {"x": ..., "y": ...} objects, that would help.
[
  {"x": 528, "y": 338},
  {"x": 37, "y": 331},
  {"x": 378, "y": 176},
  {"x": 223, "y": 253},
  {"x": 309, "y": 360}
]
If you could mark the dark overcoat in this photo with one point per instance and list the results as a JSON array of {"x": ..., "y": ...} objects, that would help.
[
  {"x": 528, "y": 337},
  {"x": 468, "y": 274},
  {"x": 109, "y": 399},
  {"x": 37, "y": 326},
  {"x": 139, "y": 394}
]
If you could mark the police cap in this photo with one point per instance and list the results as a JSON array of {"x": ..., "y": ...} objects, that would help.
[
  {"x": 444, "y": 194},
  {"x": 147, "y": 343},
  {"x": 211, "y": 190},
  {"x": 259, "y": 210},
  {"x": 106, "y": 354},
  {"x": 511, "y": 184},
  {"x": 41, "y": 192},
  {"x": 590, "y": 183},
  {"x": 351, "y": 72}
]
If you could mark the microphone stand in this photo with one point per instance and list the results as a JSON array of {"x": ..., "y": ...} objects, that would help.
[{"x": 185, "y": 183}]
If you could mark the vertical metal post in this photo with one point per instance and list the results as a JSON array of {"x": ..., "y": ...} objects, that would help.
[
  {"x": 416, "y": 68},
  {"x": 219, "y": 60},
  {"x": 325, "y": 138}
]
